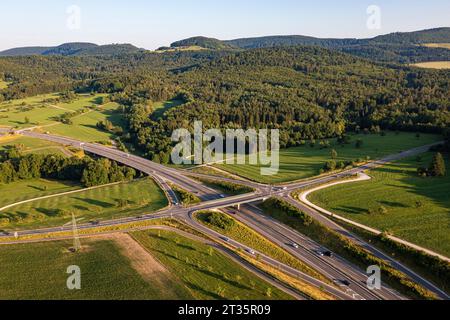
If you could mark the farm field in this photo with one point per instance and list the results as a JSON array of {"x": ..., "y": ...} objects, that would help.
[
  {"x": 206, "y": 272},
  {"x": 101, "y": 203},
  {"x": 31, "y": 145},
  {"x": 39, "y": 110},
  {"x": 416, "y": 208},
  {"x": 437, "y": 45},
  {"x": 433, "y": 65},
  {"x": 304, "y": 162},
  {"x": 84, "y": 126},
  {"x": 30, "y": 189},
  {"x": 106, "y": 273}
]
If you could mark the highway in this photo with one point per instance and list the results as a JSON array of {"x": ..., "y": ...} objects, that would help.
[{"x": 338, "y": 269}]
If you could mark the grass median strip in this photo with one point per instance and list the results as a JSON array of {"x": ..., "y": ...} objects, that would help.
[{"x": 241, "y": 233}]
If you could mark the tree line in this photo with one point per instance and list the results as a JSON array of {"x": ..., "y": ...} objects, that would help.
[{"x": 90, "y": 172}]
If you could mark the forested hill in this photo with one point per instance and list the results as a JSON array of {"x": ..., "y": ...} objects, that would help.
[
  {"x": 72, "y": 49},
  {"x": 396, "y": 47},
  {"x": 437, "y": 35},
  {"x": 310, "y": 93},
  {"x": 204, "y": 42}
]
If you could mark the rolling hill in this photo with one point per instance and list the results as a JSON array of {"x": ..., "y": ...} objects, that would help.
[{"x": 72, "y": 49}]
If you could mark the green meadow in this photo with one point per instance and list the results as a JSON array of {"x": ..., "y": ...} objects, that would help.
[
  {"x": 31, "y": 145},
  {"x": 142, "y": 196},
  {"x": 40, "y": 111},
  {"x": 84, "y": 126},
  {"x": 415, "y": 208},
  {"x": 306, "y": 161}
]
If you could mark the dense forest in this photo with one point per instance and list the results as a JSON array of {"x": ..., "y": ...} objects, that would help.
[{"x": 307, "y": 92}]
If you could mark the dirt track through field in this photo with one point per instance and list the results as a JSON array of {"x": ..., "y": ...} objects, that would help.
[{"x": 141, "y": 260}]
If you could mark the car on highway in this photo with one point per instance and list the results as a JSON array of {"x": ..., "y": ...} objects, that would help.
[
  {"x": 250, "y": 251},
  {"x": 222, "y": 196},
  {"x": 328, "y": 254},
  {"x": 225, "y": 239},
  {"x": 295, "y": 245}
]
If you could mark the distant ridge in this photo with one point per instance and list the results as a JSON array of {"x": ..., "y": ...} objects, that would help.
[{"x": 72, "y": 49}]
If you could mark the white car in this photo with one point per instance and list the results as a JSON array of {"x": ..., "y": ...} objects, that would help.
[
  {"x": 295, "y": 245},
  {"x": 250, "y": 251}
]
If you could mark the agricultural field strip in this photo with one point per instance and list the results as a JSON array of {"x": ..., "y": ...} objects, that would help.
[{"x": 58, "y": 195}]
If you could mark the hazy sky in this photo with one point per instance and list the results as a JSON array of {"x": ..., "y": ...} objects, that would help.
[{"x": 153, "y": 23}]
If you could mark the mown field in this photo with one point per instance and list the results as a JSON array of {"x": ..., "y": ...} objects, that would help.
[
  {"x": 416, "y": 208},
  {"x": 31, "y": 145},
  {"x": 142, "y": 196},
  {"x": 38, "y": 271},
  {"x": 433, "y": 65},
  {"x": 30, "y": 189},
  {"x": 84, "y": 126},
  {"x": 305, "y": 161},
  {"x": 36, "y": 111},
  {"x": 206, "y": 272}
]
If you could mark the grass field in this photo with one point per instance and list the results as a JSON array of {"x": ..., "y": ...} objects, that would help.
[
  {"x": 206, "y": 272},
  {"x": 38, "y": 271},
  {"x": 417, "y": 208},
  {"x": 30, "y": 189},
  {"x": 304, "y": 161},
  {"x": 247, "y": 236},
  {"x": 38, "y": 111},
  {"x": 437, "y": 45},
  {"x": 31, "y": 145},
  {"x": 161, "y": 107},
  {"x": 101, "y": 203},
  {"x": 433, "y": 65},
  {"x": 84, "y": 126}
]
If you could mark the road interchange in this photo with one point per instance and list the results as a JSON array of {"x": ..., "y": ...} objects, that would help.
[{"x": 338, "y": 269}]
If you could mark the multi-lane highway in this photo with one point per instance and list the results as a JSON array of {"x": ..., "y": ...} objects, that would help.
[{"x": 336, "y": 269}]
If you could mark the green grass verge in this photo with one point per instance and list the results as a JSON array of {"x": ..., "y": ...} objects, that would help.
[
  {"x": 205, "y": 271},
  {"x": 305, "y": 162},
  {"x": 226, "y": 188},
  {"x": 105, "y": 273},
  {"x": 96, "y": 204},
  {"x": 415, "y": 208},
  {"x": 432, "y": 268},
  {"x": 186, "y": 198},
  {"x": 283, "y": 212},
  {"x": 241, "y": 233}
]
